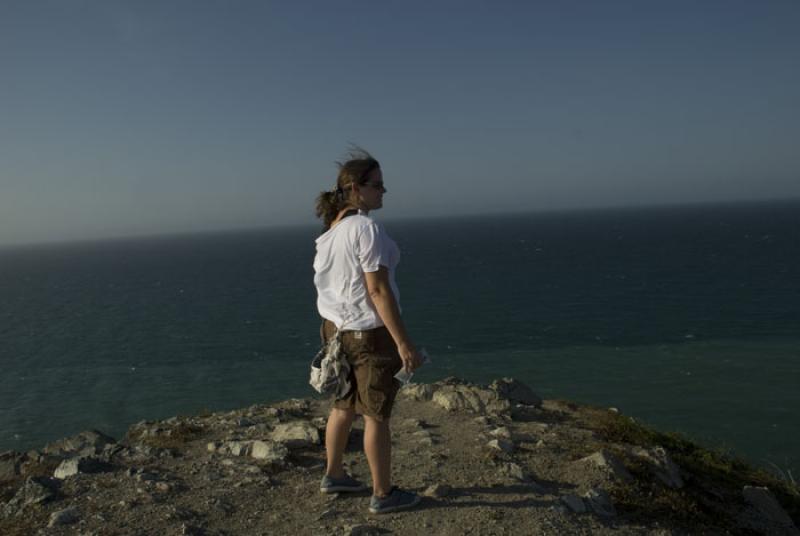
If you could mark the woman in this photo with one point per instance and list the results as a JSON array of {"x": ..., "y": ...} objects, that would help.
[{"x": 356, "y": 293}]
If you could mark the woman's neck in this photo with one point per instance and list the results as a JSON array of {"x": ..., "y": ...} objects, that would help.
[{"x": 344, "y": 213}]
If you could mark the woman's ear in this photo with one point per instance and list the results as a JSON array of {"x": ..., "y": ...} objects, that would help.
[{"x": 355, "y": 194}]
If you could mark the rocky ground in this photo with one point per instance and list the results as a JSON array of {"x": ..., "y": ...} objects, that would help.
[{"x": 488, "y": 459}]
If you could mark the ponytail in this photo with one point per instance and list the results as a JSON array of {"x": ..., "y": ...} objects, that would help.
[{"x": 329, "y": 203}]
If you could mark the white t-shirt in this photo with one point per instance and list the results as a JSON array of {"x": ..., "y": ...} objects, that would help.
[{"x": 355, "y": 245}]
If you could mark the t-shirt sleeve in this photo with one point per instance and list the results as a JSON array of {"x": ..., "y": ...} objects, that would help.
[{"x": 372, "y": 248}]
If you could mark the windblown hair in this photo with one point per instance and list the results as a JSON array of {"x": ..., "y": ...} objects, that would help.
[{"x": 355, "y": 169}]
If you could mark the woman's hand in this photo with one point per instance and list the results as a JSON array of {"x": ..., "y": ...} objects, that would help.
[{"x": 410, "y": 356}]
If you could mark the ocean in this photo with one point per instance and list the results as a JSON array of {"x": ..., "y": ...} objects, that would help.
[{"x": 686, "y": 318}]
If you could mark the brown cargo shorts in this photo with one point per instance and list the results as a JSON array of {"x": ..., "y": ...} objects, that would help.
[{"x": 374, "y": 361}]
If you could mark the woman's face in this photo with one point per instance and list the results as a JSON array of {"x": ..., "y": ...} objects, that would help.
[{"x": 371, "y": 192}]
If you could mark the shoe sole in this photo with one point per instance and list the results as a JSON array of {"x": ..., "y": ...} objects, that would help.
[{"x": 391, "y": 509}]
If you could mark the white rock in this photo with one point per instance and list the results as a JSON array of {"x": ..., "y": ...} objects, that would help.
[
  {"x": 469, "y": 398},
  {"x": 297, "y": 434},
  {"x": 67, "y": 468},
  {"x": 608, "y": 463},
  {"x": 269, "y": 451},
  {"x": 449, "y": 399}
]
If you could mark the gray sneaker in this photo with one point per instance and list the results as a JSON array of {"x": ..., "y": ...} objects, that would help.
[
  {"x": 396, "y": 500},
  {"x": 338, "y": 485}
]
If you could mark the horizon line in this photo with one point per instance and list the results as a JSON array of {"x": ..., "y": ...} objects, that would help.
[{"x": 402, "y": 219}]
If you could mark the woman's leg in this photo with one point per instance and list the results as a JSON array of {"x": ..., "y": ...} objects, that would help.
[
  {"x": 378, "y": 447},
  {"x": 336, "y": 433}
]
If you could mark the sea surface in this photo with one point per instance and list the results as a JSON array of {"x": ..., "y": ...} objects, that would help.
[{"x": 687, "y": 318}]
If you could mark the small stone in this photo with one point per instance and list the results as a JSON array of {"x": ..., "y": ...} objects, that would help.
[
  {"x": 514, "y": 471},
  {"x": 330, "y": 512},
  {"x": 501, "y": 445},
  {"x": 501, "y": 433},
  {"x": 224, "y": 506},
  {"x": 213, "y": 446},
  {"x": 438, "y": 490},
  {"x": 362, "y": 530},
  {"x": 600, "y": 502},
  {"x": 163, "y": 487},
  {"x": 574, "y": 503},
  {"x": 66, "y": 516},
  {"x": 144, "y": 476}
]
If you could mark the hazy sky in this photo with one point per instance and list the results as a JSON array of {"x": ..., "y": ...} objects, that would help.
[{"x": 141, "y": 117}]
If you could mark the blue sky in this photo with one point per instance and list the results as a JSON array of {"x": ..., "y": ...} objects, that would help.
[{"x": 146, "y": 117}]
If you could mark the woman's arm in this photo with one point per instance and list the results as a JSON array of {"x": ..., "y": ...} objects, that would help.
[{"x": 380, "y": 291}]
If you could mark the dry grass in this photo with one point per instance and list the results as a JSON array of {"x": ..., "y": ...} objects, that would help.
[{"x": 712, "y": 493}]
